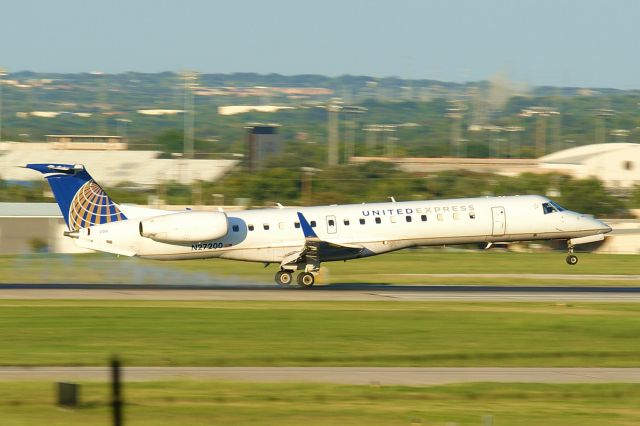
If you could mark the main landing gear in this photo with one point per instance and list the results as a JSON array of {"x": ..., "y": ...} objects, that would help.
[
  {"x": 305, "y": 279},
  {"x": 283, "y": 278}
]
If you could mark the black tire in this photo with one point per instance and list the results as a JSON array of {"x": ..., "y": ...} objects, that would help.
[
  {"x": 283, "y": 278},
  {"x": 306, "y": 279},
  {"x": 572, "y": 259}
]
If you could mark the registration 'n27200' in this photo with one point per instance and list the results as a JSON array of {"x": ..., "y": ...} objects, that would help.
[{"x": 206, "y": 246}]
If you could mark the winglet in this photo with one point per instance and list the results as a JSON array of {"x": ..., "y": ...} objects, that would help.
[{"x": 306, "y": 228}]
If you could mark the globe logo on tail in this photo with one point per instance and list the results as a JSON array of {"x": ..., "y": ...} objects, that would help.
[{"x": 91, "y": 206}]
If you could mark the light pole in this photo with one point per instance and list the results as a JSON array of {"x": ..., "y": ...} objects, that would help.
[
  {"x": 333, "y": 110},
  {"x": 101, "y": 100},
  {"x": 3, "y": 72},
  {"x": 189, "y": 78},
  {"x": 541, "y": 113},
  {"x": 455, "y": 112},
  {"x": 620, "y": 134},
  {"x": 122, "y": 127},
  {"x": 371, "y": 139},
  {"x": 514, "y": 152},
  {"x": 387, "y": 131},
  {"x": 307, "y": 174},
  {"x": 601, "y": 128},
  {"x": 350, "y": 133}
]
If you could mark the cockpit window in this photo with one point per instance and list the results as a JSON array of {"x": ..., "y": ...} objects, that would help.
[{"x": 551, "y": 207}]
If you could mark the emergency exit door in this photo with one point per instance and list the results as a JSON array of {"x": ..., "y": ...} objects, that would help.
[
  {"x": 499, "y": 221},
  {"x": 332, "y": 225}
]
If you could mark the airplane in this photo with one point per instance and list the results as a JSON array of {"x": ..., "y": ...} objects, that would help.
[{"x": 302, "y": 238}]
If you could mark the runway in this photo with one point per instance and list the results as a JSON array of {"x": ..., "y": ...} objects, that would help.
[
  {"x": 341, "y": 375},
  {"x": 336, "y": 292}
]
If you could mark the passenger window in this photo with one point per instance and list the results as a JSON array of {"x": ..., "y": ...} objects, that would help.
[
  {"x": 378, "y": 220},
  {"x": 296, "y": 225},
  {"x": 440, "y": 217},
  {"x": 423, "y": 217},
  {"x": 393, "y": 219},
  {"x": 346, "y": 222},
  {"x": 331, "y": 222},
  {"x": 281, "y": 225},
  {"x": 408, "y": 218},
  {"x": 362, "y": 221},
  {"x": 266, "y": 226},
  {"x": 456, "y": 216},
  {"x": 313, "y": 223},
  {"x": 250, "y": 227},
  {"x": 235, "y": 228},
  {"x": 472, "y": 215}
]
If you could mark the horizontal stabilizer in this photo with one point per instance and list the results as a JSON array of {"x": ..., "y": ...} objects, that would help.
[{"x": 103, "y": 246}]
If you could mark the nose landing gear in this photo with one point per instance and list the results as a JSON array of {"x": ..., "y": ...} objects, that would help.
[{"x": 572, "y": 259}]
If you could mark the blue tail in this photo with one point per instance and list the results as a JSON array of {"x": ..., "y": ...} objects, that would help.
[{"x": 82, "y": 201}]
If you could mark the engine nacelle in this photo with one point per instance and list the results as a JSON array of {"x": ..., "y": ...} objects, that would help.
[{"x": 185, "y": 227}]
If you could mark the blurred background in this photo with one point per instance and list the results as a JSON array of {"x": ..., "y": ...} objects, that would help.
[{"x": 247, "y": 105}]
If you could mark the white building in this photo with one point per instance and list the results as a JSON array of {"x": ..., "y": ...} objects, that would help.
[
  {"x": 110, "y": 167},
  {"x": 617, "y": 165}
]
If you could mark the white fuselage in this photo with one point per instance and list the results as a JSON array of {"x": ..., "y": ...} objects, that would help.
[{"x": 270, "y": 235}]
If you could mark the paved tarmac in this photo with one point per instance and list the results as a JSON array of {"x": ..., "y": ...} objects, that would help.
[
  {"x": 336, "y": 292},
  {"x": 340, "y": 375}
]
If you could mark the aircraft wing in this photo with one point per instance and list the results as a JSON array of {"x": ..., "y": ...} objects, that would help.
[{"x": 316, "y": 250}]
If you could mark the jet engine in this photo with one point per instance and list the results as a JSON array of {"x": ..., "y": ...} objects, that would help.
[{"x": 185, "y": 227}]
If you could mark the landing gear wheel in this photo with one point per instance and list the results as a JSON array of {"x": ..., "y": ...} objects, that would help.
[
  {"x": 572, "y": 259},
  {"x": 306, "y": 279},
  {"x": 283, "y": 278}
]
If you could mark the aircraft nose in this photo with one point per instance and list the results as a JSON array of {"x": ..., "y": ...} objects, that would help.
[{"x": 601, "y": 227}]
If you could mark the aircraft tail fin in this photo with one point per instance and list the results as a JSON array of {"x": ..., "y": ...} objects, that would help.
[{"x": 82, "y": 201}]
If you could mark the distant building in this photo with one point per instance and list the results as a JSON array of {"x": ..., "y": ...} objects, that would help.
[
  {"x": 97, "y": 142},
  {"x": 33, "y": 227},
  {"x": 501, "y": 166},
  {"x": 617, "y": 165},
  {"x": 263, "y": 142},
  {"x": 109, "y": 167}
]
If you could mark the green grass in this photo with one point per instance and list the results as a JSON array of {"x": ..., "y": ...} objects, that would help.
[
  {"x": 204, "y": 403},
  {"x": 245, "y": 333},
  {"x": 95, "y": 268}
]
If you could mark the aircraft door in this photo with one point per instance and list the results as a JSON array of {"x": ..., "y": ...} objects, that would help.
[
  {"x": 499, "y": 221},
  {"x": 332, "y": 225}
]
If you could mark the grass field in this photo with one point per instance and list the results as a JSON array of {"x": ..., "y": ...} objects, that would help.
[
  {"x": 205, "y": 403},
  {"x": 96, "y": 268},
  {"x": 214, "y": 333}
]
